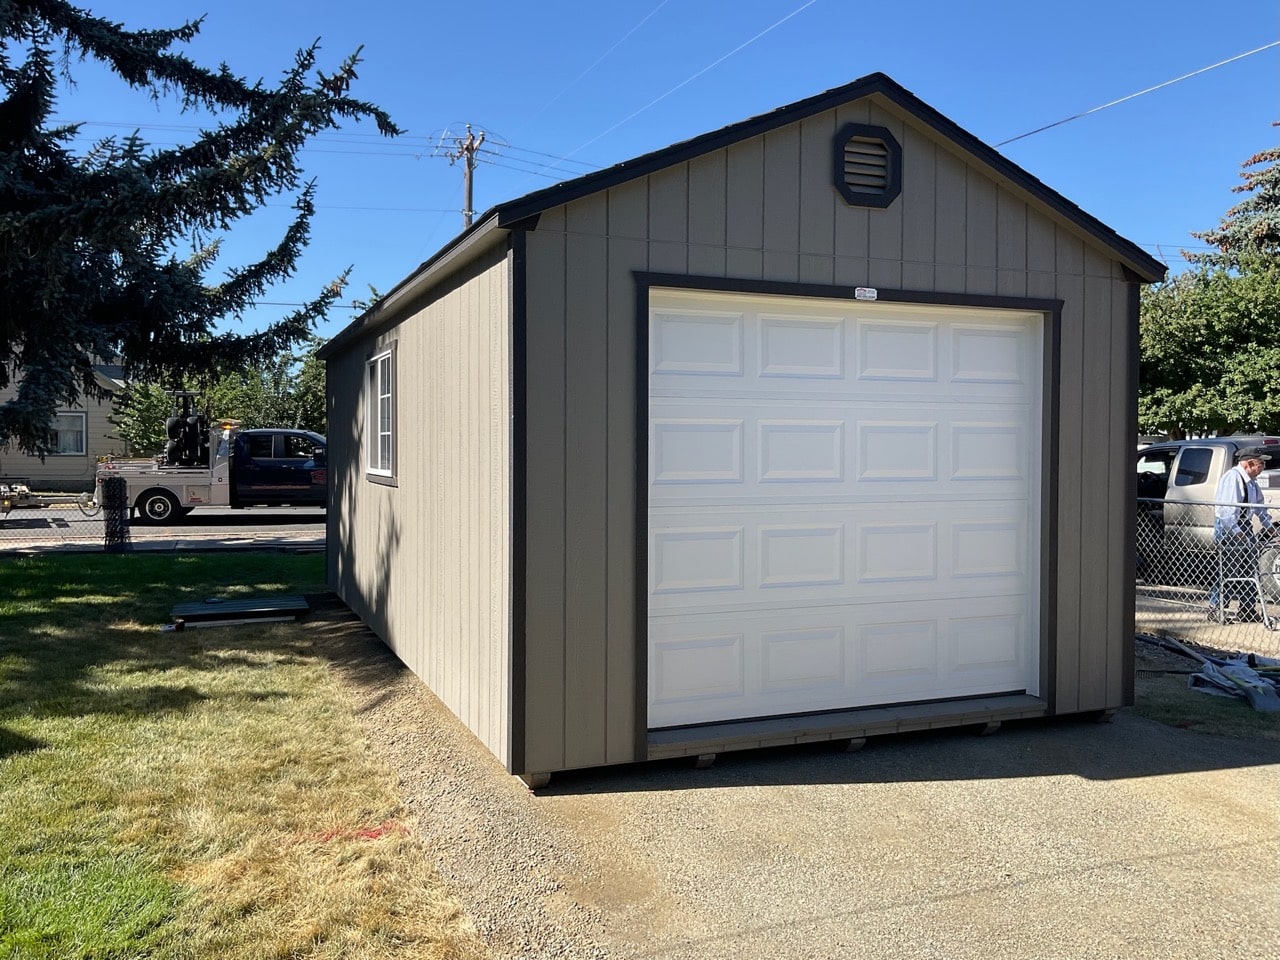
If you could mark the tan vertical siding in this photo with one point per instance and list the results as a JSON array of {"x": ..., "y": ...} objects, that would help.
[
  {"x": 623, "y": 554},
  {"x": 669, "y": 220},
  {"x": 817, "y": 200},
  {"x": 781, "y": 205},
  {"x": 919, "y": 202},
  {"x": 426, "y": 562},
  {"x": 547, "y": 510},
  {"x": 744, "y": 214},
  {"x": 707, "y": 215},
  {"x": 853, "y": 224},
  {"x": 1011, "y": 235},
  {"x": 587, "y": 404},
  {"x": 1122, "y": 410},
  {"x": 1071, "y": 492},
  {"x": 1097, "y": 511},
  {"x": 887, "y": 225}
]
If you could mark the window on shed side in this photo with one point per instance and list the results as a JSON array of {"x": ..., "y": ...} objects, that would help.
[{"x": 382, "y": 414}]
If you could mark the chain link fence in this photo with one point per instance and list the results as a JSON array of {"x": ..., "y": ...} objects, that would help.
[
  {"x": 1225, "y": 597},
  {"x": 29, "y": 518},
  {"x": 1223, "y": 594},
  {"x": 33, "y": 521}
]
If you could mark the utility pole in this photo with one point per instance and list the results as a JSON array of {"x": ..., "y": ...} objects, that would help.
[{"x": 467, "y": 153}]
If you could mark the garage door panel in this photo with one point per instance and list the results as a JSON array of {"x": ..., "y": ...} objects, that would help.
[
  {"x": 699, "y": 668},
  {"x": 801, "y": 347},
  {"x": 985, "y": 643},
  {"x": 686, "y": 343},
  {"x": 754, "y": 448},
  {"x": 700, "y": 559},
  {"x": 989, "y": 450},
  {"x": 696, "y": 450},
  {"x": 800, "y": 451},
  {"x": 994, "y": 355},
  {"x": 829, "y": 347},
  {"x": 833, "y": 659},
  {"x": 803, "y": 659},
  {"x": 841, "y": 553},
  {"x": 842, "y": 504},
  {"x": 897, "y": 351},
  {"x": 896, "y": 552}
]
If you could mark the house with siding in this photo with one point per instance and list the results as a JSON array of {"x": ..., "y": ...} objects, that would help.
[
  {"x": 84, "y": 435},
  {"x": 814, "y": 427}
]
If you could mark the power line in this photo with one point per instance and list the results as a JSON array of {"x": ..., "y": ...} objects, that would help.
[
  {"x": 532, "y": 173},
  {"x": 535, "y": 168},
  {"x": 1158, "y": 86},
  {"x": 540, "y": 153},
  {"x": 599, "y": 60},
  {"x": 686, "y": 82}
]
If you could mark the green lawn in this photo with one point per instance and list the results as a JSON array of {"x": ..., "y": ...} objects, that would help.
[{"x": 196, "y": 794}]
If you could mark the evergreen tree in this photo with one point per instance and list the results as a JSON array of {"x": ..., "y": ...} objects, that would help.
[
  {"x": 104, "y": 252},
  {"x": 1210, "y": 338},
  {"x": 1249, "y": 235}
]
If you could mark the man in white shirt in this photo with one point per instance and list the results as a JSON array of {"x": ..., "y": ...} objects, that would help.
[{"x": 1238, "y": 501}]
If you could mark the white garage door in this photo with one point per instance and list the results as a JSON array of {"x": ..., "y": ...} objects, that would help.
[{"x": 843, "y": 504}]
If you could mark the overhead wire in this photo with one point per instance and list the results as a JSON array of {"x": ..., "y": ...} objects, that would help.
[
  {"x": 599, "y": 60},
  {"x": 542, "y": 170},
  {"x": 532, "y": 173},
  {"x": 393, "y": 148},
  {"x": 1132, "y": 96},
  {"x": 688, "y": 80}
]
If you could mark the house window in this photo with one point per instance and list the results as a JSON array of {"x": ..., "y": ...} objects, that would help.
[
  {"x": 69, "y": 435},
  {"x": 382, "y": 414}
]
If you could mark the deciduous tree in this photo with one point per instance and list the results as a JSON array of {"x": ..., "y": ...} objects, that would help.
[{"x": 1210, "y": 337}]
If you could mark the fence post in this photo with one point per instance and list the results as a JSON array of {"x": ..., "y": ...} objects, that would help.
[{"x": 115, "y": 514}]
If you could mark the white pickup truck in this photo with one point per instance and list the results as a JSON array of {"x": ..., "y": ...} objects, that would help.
[{"x": 1177, "y": 485}]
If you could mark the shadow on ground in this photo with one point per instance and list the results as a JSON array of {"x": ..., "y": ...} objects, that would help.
[{"x": 1128, "y": 747}]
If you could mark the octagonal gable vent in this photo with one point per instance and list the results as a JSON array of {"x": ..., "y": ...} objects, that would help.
[{"x": 868, "y": 168}]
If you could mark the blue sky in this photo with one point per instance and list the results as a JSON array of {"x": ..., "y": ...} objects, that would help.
[{"x": 603, "y": 82}]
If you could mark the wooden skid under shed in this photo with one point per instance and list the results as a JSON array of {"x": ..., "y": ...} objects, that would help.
[{"x": 254, "y": 608}]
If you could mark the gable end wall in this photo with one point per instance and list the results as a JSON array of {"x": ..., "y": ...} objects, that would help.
[{"x": 765, "y": 209}]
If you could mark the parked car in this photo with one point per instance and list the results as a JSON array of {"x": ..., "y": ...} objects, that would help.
[{"x": 1177, "y": 484}]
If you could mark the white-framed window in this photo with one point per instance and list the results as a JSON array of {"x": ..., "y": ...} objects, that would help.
[
  {"x": 69, "y": 431},
  {"x": 381, "y": 420}
]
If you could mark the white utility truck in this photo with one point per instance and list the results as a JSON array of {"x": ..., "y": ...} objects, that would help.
[{"x": 222, "y": 465}]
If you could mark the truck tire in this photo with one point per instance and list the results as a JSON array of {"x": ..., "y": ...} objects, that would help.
[
  {"x": 1269, "y": 573},
  {"x": 158, "y": 506}
]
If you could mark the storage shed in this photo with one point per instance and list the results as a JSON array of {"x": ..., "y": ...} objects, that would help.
[{"x": 810, "y": 428}]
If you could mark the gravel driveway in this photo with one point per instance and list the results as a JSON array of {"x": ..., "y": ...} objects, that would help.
[{"x": 1048, "y": 840}]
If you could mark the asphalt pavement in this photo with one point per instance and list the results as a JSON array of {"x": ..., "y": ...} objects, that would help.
[{"x": 63, "y": 528}]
